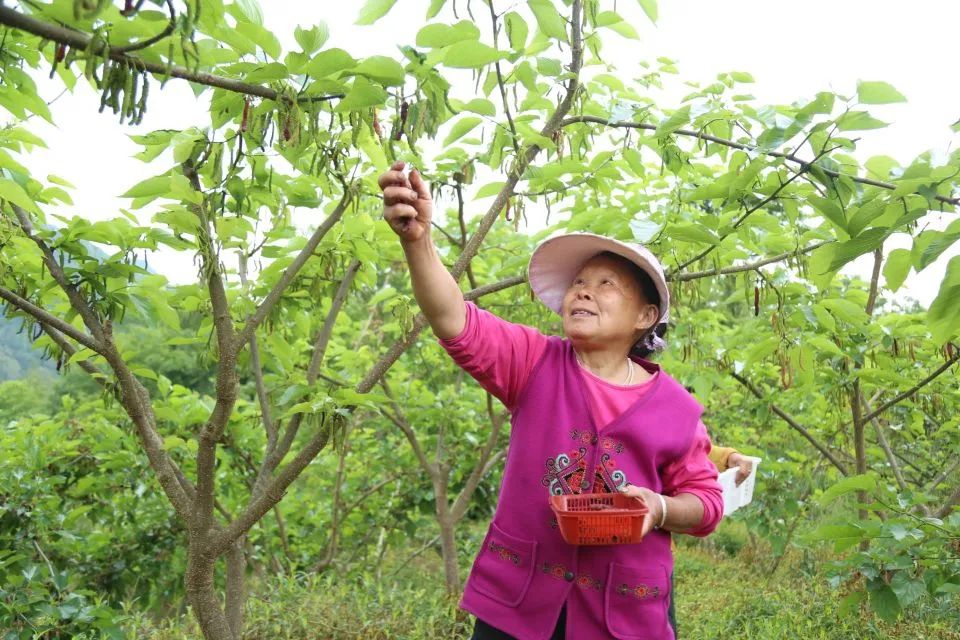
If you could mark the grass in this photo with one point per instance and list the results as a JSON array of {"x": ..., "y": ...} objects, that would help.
[{"x": 719, "y": 595}]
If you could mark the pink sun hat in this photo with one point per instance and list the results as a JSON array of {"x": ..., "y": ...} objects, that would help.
[{"x": 556, "y": 261}]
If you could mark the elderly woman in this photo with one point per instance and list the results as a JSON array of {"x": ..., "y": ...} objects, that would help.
[{"x": 589, "y": 415}]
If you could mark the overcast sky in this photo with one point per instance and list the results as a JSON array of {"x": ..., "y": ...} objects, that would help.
[{"x": 792, "y": 49}]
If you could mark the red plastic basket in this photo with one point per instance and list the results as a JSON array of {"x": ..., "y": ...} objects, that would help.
[{"x": 599, "y": 518}]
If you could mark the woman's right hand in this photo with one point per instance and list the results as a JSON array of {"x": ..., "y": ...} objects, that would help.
[{"x": 407, "y": 205}]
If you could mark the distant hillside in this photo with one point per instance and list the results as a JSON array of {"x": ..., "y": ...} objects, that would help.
[{"x": 17, "y": 355}]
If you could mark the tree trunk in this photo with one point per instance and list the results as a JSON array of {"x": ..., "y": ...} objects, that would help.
[
  {"x": 448, "y": 539},
  {"x": 448, "y": 549},
  {"x": 236, "y": 586},
  {"x": 202, "y": 595}
]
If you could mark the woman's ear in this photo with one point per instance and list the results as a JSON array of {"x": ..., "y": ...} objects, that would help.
[{"x": 649, "y": 314}]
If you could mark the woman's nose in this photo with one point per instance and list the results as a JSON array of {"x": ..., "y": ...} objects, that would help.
[{"x": 584, "y": 293}]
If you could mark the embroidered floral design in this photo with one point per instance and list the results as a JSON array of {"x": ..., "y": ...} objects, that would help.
[
  {"x": 609, "y": 444},
  {"x": 504, "y": 553},
  {"x": 585, "y": 437},
  {"x": 582, "y": 580},
  {"x": 553, "y": 570},
  {"x": 566, "y": 473},
  {"x": 585, "y": 581},
  {"x": 609, "y": 479},
  {"x": 640, "y": 592}
]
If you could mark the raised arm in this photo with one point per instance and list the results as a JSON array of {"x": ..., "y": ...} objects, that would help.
[{"x": 408, "y": 209}]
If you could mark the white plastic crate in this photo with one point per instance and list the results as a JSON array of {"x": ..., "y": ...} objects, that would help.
[{"x": 735, "y": 497}]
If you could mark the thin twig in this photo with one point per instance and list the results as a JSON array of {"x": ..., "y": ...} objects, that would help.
[
  {"x": 794, "y": 424},
  {"x": 157, "y": 38},
  {"x": 744, "y": 147},
  {"x": 80, "y": 42},
  {"x": 912, "y": 390}
]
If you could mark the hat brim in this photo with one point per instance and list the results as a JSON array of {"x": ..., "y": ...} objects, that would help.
[{"x": 556, "y": 262}]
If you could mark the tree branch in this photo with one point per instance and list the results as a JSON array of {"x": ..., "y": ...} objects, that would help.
[
  {"x": 882, "y": 439},
  {"x": 80, "y": 42},
  {"x": 276, "y": 454},
  {"x": 272, "y": 493},
  {"x": 912, "y": 390},
  {"x": 136, "y": 46},
  {"x": 951, "y": 502},
  {"x": 513, "y": 177},
  {"x": 46, "y": 318},
  {"x": 77, "y": 301},
  {"x": 794, "y": 424},
  {"x": 947, "y": 473},
  {"x": 93, "y": 370},
  {"x": 514, "y": 138},
  {"x": 269, "y": 426},
  {"x": 347, "y": 509},
  {"x": 480, "y": 467},
  {"x": 753, "y": 209},
  {"x": 227, "y": 378},
  {"x": 399, "y": 419},
  {"x": 744, "y": 147},
  {"x": 752, "y": 266},
  {"x": 291, "y": 272}
]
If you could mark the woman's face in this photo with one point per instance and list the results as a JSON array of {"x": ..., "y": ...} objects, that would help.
[{"x": 604, "y": 307}]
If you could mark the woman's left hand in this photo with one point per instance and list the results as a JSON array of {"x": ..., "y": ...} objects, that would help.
[
  {"x": 742, "y": 464},
  {"x": 654, "y": 508}
]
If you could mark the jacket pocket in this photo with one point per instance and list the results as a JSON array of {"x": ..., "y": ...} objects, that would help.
[
  {"x": 504, "y": 567},
  {"x": 636, "y": 603}
]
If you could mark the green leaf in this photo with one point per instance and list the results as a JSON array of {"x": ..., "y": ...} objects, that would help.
[
  {"x": 551, "y": 23},
  {"x": 830, "y": 210},
  {"x": 329, "y": 62},
  {"x": 693, "y": 233},
  {"x": 13, "y": 192},
  {"x": 488, "y": 190},
  {"x": 908, "y": 589},
  {"x": 437, "y": 36},
  {"x": 373, "y": 10},
  {"x": 676, "y": 120},
  {"x": 250, "y": 10},
  {"x": 310, "y": 40},
  {"x": 878, "y": 93},
  {"x": 862, "y": 482},
  {"x": 943, "y": 316},
  {"x": 471, "y": 56},
  {"x": 650, "y": 8},
  {"x": 843, "y": 536},
  {"x": 151, "y": 187},
  {"x": 462, "y": 128},
  {"x": 866, "y": 242},
  {"x": 858, "y": 121},
  {"x": 824, "y": 319},
  {"x": 362, "y": 94},
  {"x": 936, "y": 243},
  {"x": 263, "y": 37},
  {"x": 897, "y": 268},
  {"x": 851, "y": 602},
  {"x": 884, "y": 601},
  {"x": 482, "y": 106},
  {"x": 384, "y": 70},
  {"x": 517, "y": 31},
  {"x": 434, "y": 8},
  {"x": 881, "y": 166},
  {"x": 625, "y": 29}
]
